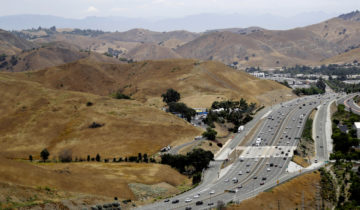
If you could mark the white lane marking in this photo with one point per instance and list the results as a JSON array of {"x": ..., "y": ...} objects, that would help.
[{"x": 265, "y": 115}]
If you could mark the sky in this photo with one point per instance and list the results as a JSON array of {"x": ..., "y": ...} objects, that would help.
[{"x": 157, "y": 9}]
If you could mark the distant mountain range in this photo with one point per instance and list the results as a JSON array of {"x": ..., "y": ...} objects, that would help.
[
  {"x": 315, "y": 44},
  {"x": 195, "y": 23}
]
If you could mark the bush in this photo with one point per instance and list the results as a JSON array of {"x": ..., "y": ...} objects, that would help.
[
  {"x": 219, "y": 144},
  {"x": 65, "y": 155},
  {"x": 95, "y": 125},
  {"x": 89, "y": 103},
  {"x": 119, "y": 95}
]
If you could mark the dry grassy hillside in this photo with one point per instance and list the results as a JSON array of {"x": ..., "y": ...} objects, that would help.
[
  {"x": 347, "y": 57},
  {"x": 151, "y": 52},
  {"x": 92, "y": 43},
  {"x": 340, "y": 32},
  {"x": 11, "y": 44},
  {"x": 261, "y": 48},
  {"x": 34, "y": 117},
  {"x": 79, "y": 179},
  {"x": 199, "y": 83},
  {"x": 143, "y": 35},
  {"x": 51, "y": 54}
]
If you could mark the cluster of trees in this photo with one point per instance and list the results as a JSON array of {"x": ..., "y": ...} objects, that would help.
[
  {"x": 333, "y": 69},
  {"x": 66, "y": 156},
  {"x": 84, "y": 32},
  {"x": 318, "y": 88},
  {"x": 235, "y": 112},
  {"x": 191, "y": 164},
  {"x": 171, "y": 98},
  {"x": 344, "y": 143},
  {"x": 339, "y": 86},
  {"x": 343, "y": 189}
]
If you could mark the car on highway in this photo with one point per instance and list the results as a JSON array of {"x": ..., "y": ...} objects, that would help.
[
  {"x": 175, "y": 201},
  {"x": 239, "y": 187},
  {"x": 268, "y": 169},
  {"x": 210, "y": 204},
  {"x": 240, "y": 173},
  {"x": 188, "y": 208},
  {"x": 188, "y": 200},
  {"x": 212, "y": 192},
  {"x": 198, "y": 203},
  {"x": 264, "y": 178},
  {"x": 248, "y": 171},
  {"x": 166, "y": 200},
  {"x": 262, "y": 183},
  {"x": 226, "y": 180},
  {"x": 255, "y": 177},
  {"x": 197, "y": 195}
]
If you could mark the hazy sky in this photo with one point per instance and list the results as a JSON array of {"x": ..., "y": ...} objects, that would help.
[{"x": 173, "y": 8}]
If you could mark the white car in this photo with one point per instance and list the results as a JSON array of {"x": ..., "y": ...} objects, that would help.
[
  {"x": 212, "y": 191},
  {"x": 240, "y": 173},
  {"x": 226, "y": 180},
  {"x": 268, "y": 169},
  {"x": 187, "y": 200},
  {"x": 197, "y": 196}
]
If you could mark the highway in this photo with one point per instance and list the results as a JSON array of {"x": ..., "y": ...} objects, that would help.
[
  {"x": 350, "y": 104},
  {"x": 261, "y": 166}
]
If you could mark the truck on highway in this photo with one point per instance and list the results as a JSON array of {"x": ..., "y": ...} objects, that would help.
[{"x": 241, "y": 128}]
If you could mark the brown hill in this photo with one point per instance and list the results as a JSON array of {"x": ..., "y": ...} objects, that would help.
[
  {"x": 11, "y": 44},
  {"x": 143, "y": 35},
  {"x": 347, "y": 57},
  {"x": 199, "y": 83},
  {"x": 51, "y": 54},
  {"x": 343, "y": 33},
  {"x": 149, "y": 51},
  {"x": 34, "y": 117},
  {"x": 262, "y": 48},
  {"x": 74, "y": 181}
]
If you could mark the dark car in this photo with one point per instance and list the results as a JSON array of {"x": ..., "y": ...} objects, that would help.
[
  {"x": 188, "y": 208},
  {"x": 210, "y": 204},
  {"x": 198, "y": 203},
  {"x": 264, "y": 178},
  {"x": 166, "y": 200},
  {"x": 175, "y": 201}
]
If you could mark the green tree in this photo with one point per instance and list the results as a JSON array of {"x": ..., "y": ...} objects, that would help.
[
  {"x": 98, "y": 158},
  {"x": 181, "y": 108},
  {"x": 210, "y": 134},
  {"x": 44, "y": 154},
  {"x": 171, "y": 95}
]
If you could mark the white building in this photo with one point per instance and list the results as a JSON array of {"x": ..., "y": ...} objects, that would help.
[{"x": 357, "y": 126}]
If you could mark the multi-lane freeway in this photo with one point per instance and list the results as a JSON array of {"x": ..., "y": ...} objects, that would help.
[{"x": 263, "y": 161}]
